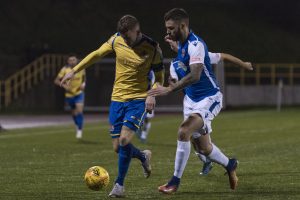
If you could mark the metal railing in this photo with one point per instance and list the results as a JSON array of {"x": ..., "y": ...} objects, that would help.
[
  {"x": 32, "y": 74},
  {"x": 49, "y": 64},
  {"x": 264, "y": 74}
]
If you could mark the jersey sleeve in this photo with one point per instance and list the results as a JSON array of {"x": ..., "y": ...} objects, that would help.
[
  {"x": 96, "y": 55},
  {"x": 196, "y": 52},
  {"x": 214, "y": 57},
  {"x": 172, "y": 72},
  {"x": 61, "y": 73},
  {"x": 157, "y": 62}
]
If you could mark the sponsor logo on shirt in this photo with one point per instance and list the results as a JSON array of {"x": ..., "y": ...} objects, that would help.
[
  {"x": 182, "y": 66},
  {"x": 195, "y": 59}
]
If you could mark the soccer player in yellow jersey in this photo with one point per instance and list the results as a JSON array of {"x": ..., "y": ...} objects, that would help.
[
  {"x": 136, "y": 56},
  {"x": 74, "y": 94}
]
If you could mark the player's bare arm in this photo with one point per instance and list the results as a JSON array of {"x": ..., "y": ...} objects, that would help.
[
  {"x": 237, "y": 61},
  {"x": 191, "y": 78},
  {"x": 90, "y": 59}
]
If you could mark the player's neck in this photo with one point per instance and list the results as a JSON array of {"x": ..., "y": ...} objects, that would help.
[
  {"x": 184, "y": 36},
  {"x": 139, "y": 38}
]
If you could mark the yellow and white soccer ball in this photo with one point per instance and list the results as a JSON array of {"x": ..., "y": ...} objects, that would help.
[{"x": 96, "y": 178}]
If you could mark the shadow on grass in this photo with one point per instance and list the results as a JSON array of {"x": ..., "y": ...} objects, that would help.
[{"x": 238, "y": 193}]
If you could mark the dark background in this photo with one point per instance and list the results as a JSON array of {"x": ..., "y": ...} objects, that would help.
[{"x": 260, "y": 31}]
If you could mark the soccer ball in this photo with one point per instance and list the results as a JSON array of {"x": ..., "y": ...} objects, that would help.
[{"x": 96, "y": 178}]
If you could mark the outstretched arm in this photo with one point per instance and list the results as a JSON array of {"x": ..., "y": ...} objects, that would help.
[
  {"x": 90, "y": 59},
  {"x": 224, "y": 56},
  {"x": 189, "y": 79},
  {"x": 237, "y": 61}
]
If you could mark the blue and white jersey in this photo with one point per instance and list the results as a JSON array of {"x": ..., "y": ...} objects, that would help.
[{"x": 193, "y": 51}]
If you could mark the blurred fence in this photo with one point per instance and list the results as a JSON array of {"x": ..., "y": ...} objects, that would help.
[
  {"x": 32, "y": 74},
  {"x": 264, "y": 74},
  {"x": 33, "y": 88}
]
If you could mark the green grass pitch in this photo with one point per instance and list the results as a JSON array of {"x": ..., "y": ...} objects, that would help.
[{"x": 49, "y": 163}]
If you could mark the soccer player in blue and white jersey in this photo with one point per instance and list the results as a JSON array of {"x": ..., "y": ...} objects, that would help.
[
  {"x": 215, "y": 58},
  {"x": 202, "y": 101}
]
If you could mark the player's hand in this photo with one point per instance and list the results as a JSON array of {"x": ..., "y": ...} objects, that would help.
[
  {"x": 173, "y": 44},
  {"x": 159, "y": 91},
  {"x": 150, "y": 104},
  {"x": 66, "y": 87},
  {"x": 172, "y": 82},
  {"x": 248, "y": 65},
  {"x": 65, "y": 82},
  {"x": 82, "y": 86}
]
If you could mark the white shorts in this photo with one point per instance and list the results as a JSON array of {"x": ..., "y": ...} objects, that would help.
[
  {"x": 150, "y": 115},
  {"x": 208, "y": 108}
]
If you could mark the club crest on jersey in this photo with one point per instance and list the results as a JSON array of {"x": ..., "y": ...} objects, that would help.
[
  {"x": 182, "y": 52},
  {"x": 182, "y": 66}
]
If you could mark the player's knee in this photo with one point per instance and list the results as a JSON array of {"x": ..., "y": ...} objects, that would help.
[
  {"x": 123, "y": 141},
  {"x": 116, "y": 149},
  {"x": 206, "y": 149},
  {"x": 184, "y": 134}
]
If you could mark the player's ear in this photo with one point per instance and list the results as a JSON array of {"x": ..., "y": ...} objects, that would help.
[{"x": 182, "y": 25}]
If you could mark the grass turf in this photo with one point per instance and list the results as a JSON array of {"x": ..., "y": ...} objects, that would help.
[{"x": 49, "y": 163}]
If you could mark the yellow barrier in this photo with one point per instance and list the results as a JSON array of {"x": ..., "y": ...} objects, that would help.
[
  {"x": 49, "y": 64},
  {"x": 32, "y": 74},
  {"x": 270, "y": 73}
]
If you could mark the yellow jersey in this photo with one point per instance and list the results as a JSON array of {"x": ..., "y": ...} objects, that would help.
[
  {"x": 75, "y": 83},
  {"x": 133, "y": 65}
]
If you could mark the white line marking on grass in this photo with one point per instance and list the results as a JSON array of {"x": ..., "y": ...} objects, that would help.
[
  {"x": 66, "y": 130},
  {"x": 46, "y": 132}
]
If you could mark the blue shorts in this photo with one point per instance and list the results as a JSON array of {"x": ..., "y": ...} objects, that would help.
[
  {"x": 130, "y": 114},
  {"x": 72, "y": 101}
]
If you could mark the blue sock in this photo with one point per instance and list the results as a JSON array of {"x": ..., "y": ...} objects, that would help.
[
  {"x": 75, "y": 119},
  {"x": 125, "y": 154},
  {"x": 136, "y": 153},
  {"x": 174, "y": 181},
  {"x": 79, "y": 118}
]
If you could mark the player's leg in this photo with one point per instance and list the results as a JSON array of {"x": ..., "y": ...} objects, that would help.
[
  {"x": 216, "y": 155},
  {"x": 125, "y": 153},
  {"x": 192, "y": 124},
  {"x": 131, "y": 115},
  {"x": 211, "y": 109},
  {"x": 134, "y": 115},
  {"x": 207, "y": 163},
  {"x": 70, "y": 101},
  {"x": 116, "y": 117},
  {"x": 78, "y": 112},
  {"x": 115, "y": 144}
]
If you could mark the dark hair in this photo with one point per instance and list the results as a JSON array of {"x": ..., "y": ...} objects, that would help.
[
  {"x": 72, "y": 55},
  {"x": 126, "y": 23},
  {"x": 176, "y": 14}
]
